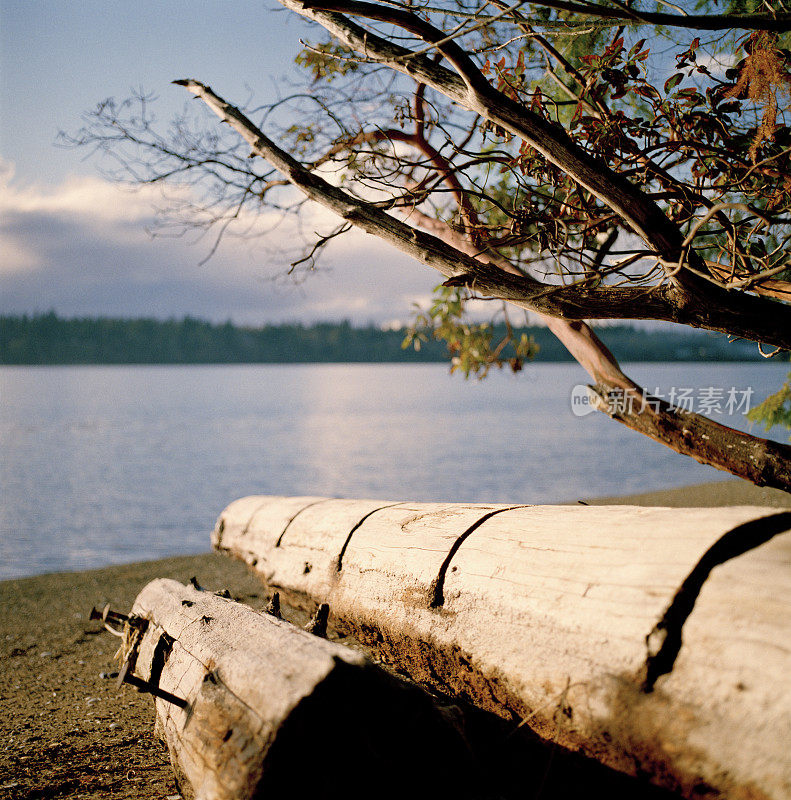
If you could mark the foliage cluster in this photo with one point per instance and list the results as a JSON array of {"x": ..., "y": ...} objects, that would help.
[{"x": 474, "y": 347}]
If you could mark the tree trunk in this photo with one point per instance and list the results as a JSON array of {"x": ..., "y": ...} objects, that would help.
[
  {"x": 251, "y": 706},
  {"x": 654, "y": 639}
]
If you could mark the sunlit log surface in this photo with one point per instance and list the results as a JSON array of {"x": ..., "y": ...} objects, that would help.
[{"x": 654, "y": 639}]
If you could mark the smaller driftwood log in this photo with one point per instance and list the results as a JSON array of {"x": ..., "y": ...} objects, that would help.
[{"x": 252, "y": 706}]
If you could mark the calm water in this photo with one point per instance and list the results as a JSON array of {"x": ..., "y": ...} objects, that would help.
[{"x": 103, "y": 465}]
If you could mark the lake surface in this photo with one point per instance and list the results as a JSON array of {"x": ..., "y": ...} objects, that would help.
[{"x": 102, "y": 465}]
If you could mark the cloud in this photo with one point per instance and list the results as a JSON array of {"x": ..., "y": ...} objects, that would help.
[{"x": 82, "y": 248}]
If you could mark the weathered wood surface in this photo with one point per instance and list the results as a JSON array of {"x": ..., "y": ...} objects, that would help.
[
  {"x": 271, "y": 710},
  {"x": 655, "y": 639}
]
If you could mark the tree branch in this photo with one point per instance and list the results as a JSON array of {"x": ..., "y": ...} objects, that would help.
[
  {"x": 759, "y": 22},
  {"x": 748, "y": 318},
  {"x": 696, "y": 303},
  {"x": 475, "y": 93},
  {"x": 759, "y": 460},
  {"x": 704, "y": 22}
]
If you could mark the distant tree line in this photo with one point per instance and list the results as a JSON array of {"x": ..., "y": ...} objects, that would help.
[{"x": 51, "y": 339}]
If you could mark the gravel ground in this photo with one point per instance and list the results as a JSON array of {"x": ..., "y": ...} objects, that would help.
[{"x": 66, "y": 728}]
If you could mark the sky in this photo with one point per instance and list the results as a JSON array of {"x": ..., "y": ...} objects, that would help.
[{"x": 73, "y": 242}]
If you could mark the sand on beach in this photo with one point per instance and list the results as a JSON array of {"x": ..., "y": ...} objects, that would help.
[{"x": 69, "y": 731}]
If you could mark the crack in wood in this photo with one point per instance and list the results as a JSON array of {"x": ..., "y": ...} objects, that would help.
[
  {"x": 437, "y": 588},
  {"x": 162, "y": 651},
  {"x": 304, "y": 508},
  {"x": 212, "y": 672},
  {"x": 252, "y": 517},
  {"x": 664, "y": 641},
  {"x": 339, "y": 563}
]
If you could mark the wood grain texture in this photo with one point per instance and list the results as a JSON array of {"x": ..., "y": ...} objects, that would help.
[
  {"x": 275, "y": 711},
  {"x": 552, "y": 614}
]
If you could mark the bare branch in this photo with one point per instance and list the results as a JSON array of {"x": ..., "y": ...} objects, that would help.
[
  {"x": 587, "y": 11},
  {"x": 574, "y": 302}
]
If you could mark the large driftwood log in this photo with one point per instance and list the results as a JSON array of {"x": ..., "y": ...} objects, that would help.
[
  {"x": 251, "y": 706},
  {"x": 654, "y": 639}
]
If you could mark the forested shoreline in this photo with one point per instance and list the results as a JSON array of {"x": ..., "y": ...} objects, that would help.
[{"x": 51, "y": 339}]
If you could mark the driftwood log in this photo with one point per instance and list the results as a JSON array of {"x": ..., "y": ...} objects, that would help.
[
  {"x": 251, "y": 706},
  {"x": 656, "y": 640}
]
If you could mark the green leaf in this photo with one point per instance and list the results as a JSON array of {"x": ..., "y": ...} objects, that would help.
[
  {"x": 673, "y": 81},
  {"x": 636, "y": 49}
]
